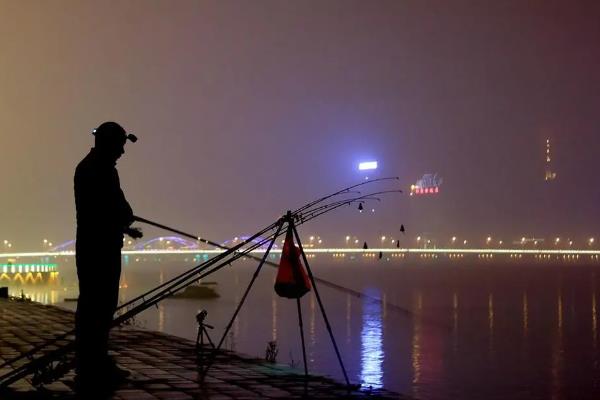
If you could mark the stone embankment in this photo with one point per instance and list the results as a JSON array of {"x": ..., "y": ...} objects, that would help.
[{"x": 163, "y": 366}]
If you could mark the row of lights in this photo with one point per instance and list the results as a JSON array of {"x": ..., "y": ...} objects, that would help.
[
  {"x": 317, "y": 240},
  {"x": 485, "y": 256},
  {"x": 20, "y": 268}
]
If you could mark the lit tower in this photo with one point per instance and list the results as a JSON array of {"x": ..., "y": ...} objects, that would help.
[{"x": 550, "y": 175}]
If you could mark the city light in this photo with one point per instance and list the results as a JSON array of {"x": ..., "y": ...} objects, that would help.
[{"x": 367, "y": 165}]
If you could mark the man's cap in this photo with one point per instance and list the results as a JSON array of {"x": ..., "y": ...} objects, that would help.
[{"x": 111, "y": 131}]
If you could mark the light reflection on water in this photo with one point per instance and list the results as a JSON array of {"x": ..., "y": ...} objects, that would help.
[
  {"x": 371, "y": 339},
  {"x": 476, "y": 331}
]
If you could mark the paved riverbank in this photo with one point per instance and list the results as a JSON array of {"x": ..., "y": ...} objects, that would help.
[{"x": 163, "y": 366}]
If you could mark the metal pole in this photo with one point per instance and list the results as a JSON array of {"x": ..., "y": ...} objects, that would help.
[
  {"x": 302, "y": 337},
  {"x": 312, "y": 280},
  {"x": 239, "y": 307}
]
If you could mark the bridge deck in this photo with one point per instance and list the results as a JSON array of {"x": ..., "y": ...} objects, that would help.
[{"x": 163, "y": 366}]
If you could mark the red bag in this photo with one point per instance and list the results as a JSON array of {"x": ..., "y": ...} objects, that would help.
[{"x": 292, "y": 281}]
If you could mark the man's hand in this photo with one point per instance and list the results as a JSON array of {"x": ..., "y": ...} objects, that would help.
[{"x": 134, "y": 232}]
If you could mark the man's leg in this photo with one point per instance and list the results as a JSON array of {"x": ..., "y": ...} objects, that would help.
[
  {"x": 113, "y": 275},
  {"x": 87, "y": 327},
  {"x": 98, "y": 298}
]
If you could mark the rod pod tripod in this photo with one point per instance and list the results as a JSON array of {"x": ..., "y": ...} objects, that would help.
[{"x": 289, "y": 220}]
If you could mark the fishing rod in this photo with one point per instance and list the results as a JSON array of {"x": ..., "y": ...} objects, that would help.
[
  {"x": 371, "y": 196},
  {"x": 42, "y": 367},
  {"x": 192, "y": 274},
  {"x": 44, "y": 363},
  {"x": 140, "y": 297},
  {"x": 318, "y": 212},
  {"x": 343, "y": 191}
]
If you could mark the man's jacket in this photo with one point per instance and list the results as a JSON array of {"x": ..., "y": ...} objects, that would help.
[{"x": 102, "y": 211}]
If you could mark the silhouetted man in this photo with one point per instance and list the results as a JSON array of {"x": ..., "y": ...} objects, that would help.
[{"x": 103, "y": 216}]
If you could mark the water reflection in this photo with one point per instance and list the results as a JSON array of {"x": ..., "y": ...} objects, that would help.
[
  {"x": 348, "y": 318},
  {"x": 312, "y": 336},
  {"x": 161, "y": 317},
  {"x": 525, "y": 315},
  {"x": 371, "y": 338},
  {"x": 274, "y": 318},
  {"x": 491, "y": 323},
  {"x": 455, "y": 322},
  {"x": 594, "y": 317},
  {"x": 416, "y": 346},
  {"x": 558, "y": 352}
]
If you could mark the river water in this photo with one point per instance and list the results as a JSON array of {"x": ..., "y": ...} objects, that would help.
[{"x": 470, "y": 330}]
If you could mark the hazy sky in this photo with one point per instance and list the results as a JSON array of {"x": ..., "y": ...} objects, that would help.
[{"x": 246, "y": 108}]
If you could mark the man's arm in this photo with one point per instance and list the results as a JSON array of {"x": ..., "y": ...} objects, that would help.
[{"x": 125, "y": 212}]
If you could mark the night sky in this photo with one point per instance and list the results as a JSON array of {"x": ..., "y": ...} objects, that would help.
[{"x": 244, "y": 109}]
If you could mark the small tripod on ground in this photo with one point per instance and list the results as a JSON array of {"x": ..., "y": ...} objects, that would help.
[
  {"x": 289, "y": 220},
  {"x": 202, "y": 332}
]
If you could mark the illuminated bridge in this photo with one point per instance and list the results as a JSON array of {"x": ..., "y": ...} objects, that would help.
[
  {"x": 338, "y": 253},
  {"x": 28, "y": 272}
]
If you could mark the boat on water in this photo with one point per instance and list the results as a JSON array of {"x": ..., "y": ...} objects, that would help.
[{"x": 204, "y": 290}]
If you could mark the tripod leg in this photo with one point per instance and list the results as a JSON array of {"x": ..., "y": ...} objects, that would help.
[
  {"x": 239, "y": 307},
  {"x": 208, "y": 337},
  {"x": 312, "y": 280},
  {"x": 302, "y": 337},
  {"x": 201, "y": 350}
]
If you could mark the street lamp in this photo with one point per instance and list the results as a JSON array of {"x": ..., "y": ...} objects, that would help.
[{"x": 591, "y": 241}]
